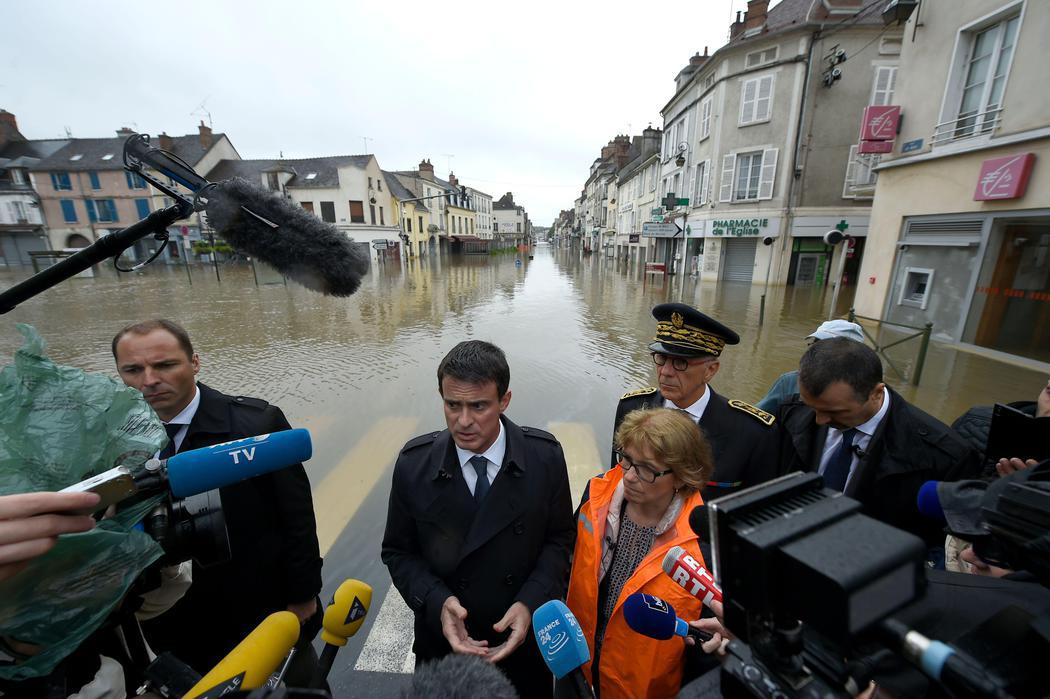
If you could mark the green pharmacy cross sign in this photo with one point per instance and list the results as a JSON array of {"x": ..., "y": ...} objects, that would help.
[
  {"x": 841, "y": 226},
  {"x": 671, "y": 201}
]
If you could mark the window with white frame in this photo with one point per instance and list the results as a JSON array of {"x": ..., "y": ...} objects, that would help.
[
  {"x": 860, "y": 175},
  {"x": 748, "y": 176},
  {"x": 701, "y": 183},
  {"x": 652, "y": 178},
  {"x": 705, "y": 119},
  {"x": 978, "y": 79},
  {"x": 756, "y": 100},
  {"x": 708, "y": 81},
  {"x": 883, "y": 86},
  {"x": 758, "y": 58},
  {"x": 667, "y": 144}
]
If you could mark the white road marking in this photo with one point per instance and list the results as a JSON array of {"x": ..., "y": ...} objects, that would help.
[{"x": 388, "y": 647}]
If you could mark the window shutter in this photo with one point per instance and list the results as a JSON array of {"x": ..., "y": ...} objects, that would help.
[
  {"x": 851, "y": 174},
  {"x": 765, "y": 98},
  {"x": 747, "y": 101},
  {"x": 728, "y": 166},
  {"x": 705, "y": 183},
  {"x": 885, "y": 81},
  {"x": 90, "y": 206},
  {"x": 143, "y": 207},
  {"x": 768, "y": 173}
]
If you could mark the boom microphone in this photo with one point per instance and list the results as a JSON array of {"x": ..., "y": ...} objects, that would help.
[
  {"x": 248, "y": 666},
  {"x": 200, "y": 470},
  {"x": 651, "y": 616},
  {"x": 692, "y": 577},
  {"x": 562, "y": 644},
  {"x": 459, "y": 677},
  {"x": 342, "y": 619},
  {"x": 272, "y": 228}
]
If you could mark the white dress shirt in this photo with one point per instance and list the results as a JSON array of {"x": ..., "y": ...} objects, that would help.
[
  {"x": 861, "y": 440},
  {"x": 494, "y": 454},
  {"x": 184, "y": 418},
  {"x": 696, "y": 410}
]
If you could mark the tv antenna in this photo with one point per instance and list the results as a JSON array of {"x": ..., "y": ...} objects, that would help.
[{"x": 201, "y": 110}]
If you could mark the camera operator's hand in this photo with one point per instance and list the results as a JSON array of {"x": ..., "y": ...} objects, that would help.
[
  {"x": 720, "y": 637},
  {"x": 1007, "y": 466},
  {"x": 979, "y": 566},
  {"x": 31, "y": 522}
]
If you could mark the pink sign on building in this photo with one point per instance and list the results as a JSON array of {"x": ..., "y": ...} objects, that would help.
[
  {"x": 880, "y": 123},
  {"x": 1004, "y": 178},
  {"x": 875, "y": 147}
]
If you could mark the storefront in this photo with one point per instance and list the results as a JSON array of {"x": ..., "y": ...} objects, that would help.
[
  {"x": 980, "y": 279},
  {"x": 730, "y": 252}
]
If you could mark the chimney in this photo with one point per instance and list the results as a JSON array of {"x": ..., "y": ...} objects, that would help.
[
  {"x": 755, "y": 18},
  {"x": 452, "y": 180},
  {"x": 205, "y": 132},
  {"x": 696, "y": 59},
  {"x": 426, "y": 170},
  {"x": 124, "y": 132},
  {"x": 164, "y": 141},
  {"x": 8, "y": 128},
  {"x": 737, "y": 27}
]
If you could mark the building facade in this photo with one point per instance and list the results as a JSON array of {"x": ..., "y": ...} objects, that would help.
[{"x": 960, "y": 233}]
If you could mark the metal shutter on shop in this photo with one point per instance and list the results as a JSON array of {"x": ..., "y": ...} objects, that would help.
[{"x": 740, "y": 259}]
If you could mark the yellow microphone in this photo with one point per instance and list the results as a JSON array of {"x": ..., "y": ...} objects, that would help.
[
  {"x": 249, "y": 665},
  {"x": 342, "y": 619}
]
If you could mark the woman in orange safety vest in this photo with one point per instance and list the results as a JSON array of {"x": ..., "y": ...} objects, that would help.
[{"x": 629, "y": 519}]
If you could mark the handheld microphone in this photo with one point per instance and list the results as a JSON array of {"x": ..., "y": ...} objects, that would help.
[
  {"x": 651, "y": 616},
  {"x": 342, "y": 619},
  {"x": 700, "y": 523},
  {"x": 692, "y": 577},
  {"x": 249, "y": 665},
  {"x": 200, "y": 470},
  {"x": 562, "y": 643}
]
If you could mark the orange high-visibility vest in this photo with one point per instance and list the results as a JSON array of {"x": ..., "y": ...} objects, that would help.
[{"x": 631, "y": 666}]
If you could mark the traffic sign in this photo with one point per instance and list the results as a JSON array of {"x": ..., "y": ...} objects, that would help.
[
  {"x": 660, "y": 230},
  {"x": 379, "y": 244}
]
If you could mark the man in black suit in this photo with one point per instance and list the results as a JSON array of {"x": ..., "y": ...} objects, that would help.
[
  {"x": 866, "y": 440},
  {"x": 275, "y": 562},
  {"x": 686, "y": 352},
  {"x": 480, "y": 528}
]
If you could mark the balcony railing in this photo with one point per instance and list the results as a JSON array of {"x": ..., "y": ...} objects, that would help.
[{"x": 967, "y": 125}]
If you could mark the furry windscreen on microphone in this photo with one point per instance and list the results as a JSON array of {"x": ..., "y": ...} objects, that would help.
[
  {"x": 460, "y": 677},
  {"x": 302, "y": 247}
]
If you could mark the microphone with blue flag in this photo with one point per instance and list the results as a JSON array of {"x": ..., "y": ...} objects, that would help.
[
  {"x": 562, "y": 644},
  {"x": 651, "y": 616}
]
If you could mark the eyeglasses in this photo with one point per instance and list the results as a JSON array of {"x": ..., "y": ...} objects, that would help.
[
  {"x": 678, "y": 363},
  {"x": 646, "y": 472}
]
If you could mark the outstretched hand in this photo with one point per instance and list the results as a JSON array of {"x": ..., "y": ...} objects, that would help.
[
  {"x": 455, "y": 631},
  {"x": 517, "y": 619}
]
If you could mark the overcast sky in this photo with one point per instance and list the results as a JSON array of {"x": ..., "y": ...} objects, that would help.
[{"x": 523, "y": 95}]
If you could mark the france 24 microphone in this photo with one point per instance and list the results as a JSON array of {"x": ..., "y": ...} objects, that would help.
[
  {"x": 249, "y": 665},
  {"x": 342, "y": 619},
  {"x": 266, "y": 225},
  {"x": 562, "y": 644},
  {"x": 651, "y": 616},
  {"x": 692, "y": 577},
  {"x": 200, "y": 470}
]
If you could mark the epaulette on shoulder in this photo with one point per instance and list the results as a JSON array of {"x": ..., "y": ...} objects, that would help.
[
  {"x": 537, "y": 432},
  {"x": 757, "y": 413},
  {"x": 419, "y": 441},
  {"x": 257, "y": 403},
  {"x": 648, "y": 390}
]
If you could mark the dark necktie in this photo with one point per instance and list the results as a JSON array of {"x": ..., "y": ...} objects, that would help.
[
  {"x": 481, "y": 465},
  {"x": 837, "y": 471},
  {"x": 169, "y": 450}
]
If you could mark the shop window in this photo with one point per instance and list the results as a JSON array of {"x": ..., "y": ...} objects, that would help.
[{"x": 915, "y": 291}]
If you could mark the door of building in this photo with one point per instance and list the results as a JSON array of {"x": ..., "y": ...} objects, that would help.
[
  {"x": 1016, "y": 316},
  {"x": 810, "y": 269},
  {"x": 740, "y": 259}
]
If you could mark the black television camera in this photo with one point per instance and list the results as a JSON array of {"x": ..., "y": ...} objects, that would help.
[{"x": 819, "y": 595}]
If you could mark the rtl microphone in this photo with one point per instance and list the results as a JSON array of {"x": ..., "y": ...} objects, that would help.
[
  {"x": 200, "y": 470},
  {"x": 342, "y": 619},
  {"x": 249, "y": 665},
  {"x": 562, "y": 644},
  {"x": 651, "y": 616},
  {"x": 692, "y": 577}
]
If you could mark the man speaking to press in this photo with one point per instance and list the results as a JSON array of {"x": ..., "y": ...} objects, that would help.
[{"x": 275, "y": 561}]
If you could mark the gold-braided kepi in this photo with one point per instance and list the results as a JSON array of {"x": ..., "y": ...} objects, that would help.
[{"x": 683, "y": 331}]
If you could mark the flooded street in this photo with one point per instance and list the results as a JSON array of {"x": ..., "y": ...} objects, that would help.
[{"x": 360, "y": 373}]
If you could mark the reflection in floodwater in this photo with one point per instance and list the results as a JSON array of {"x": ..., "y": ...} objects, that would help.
[{"x": 575, "y": 332}]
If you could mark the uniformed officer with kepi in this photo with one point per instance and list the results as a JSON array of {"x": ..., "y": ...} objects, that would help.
[{"x": 686, "y": 353}]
